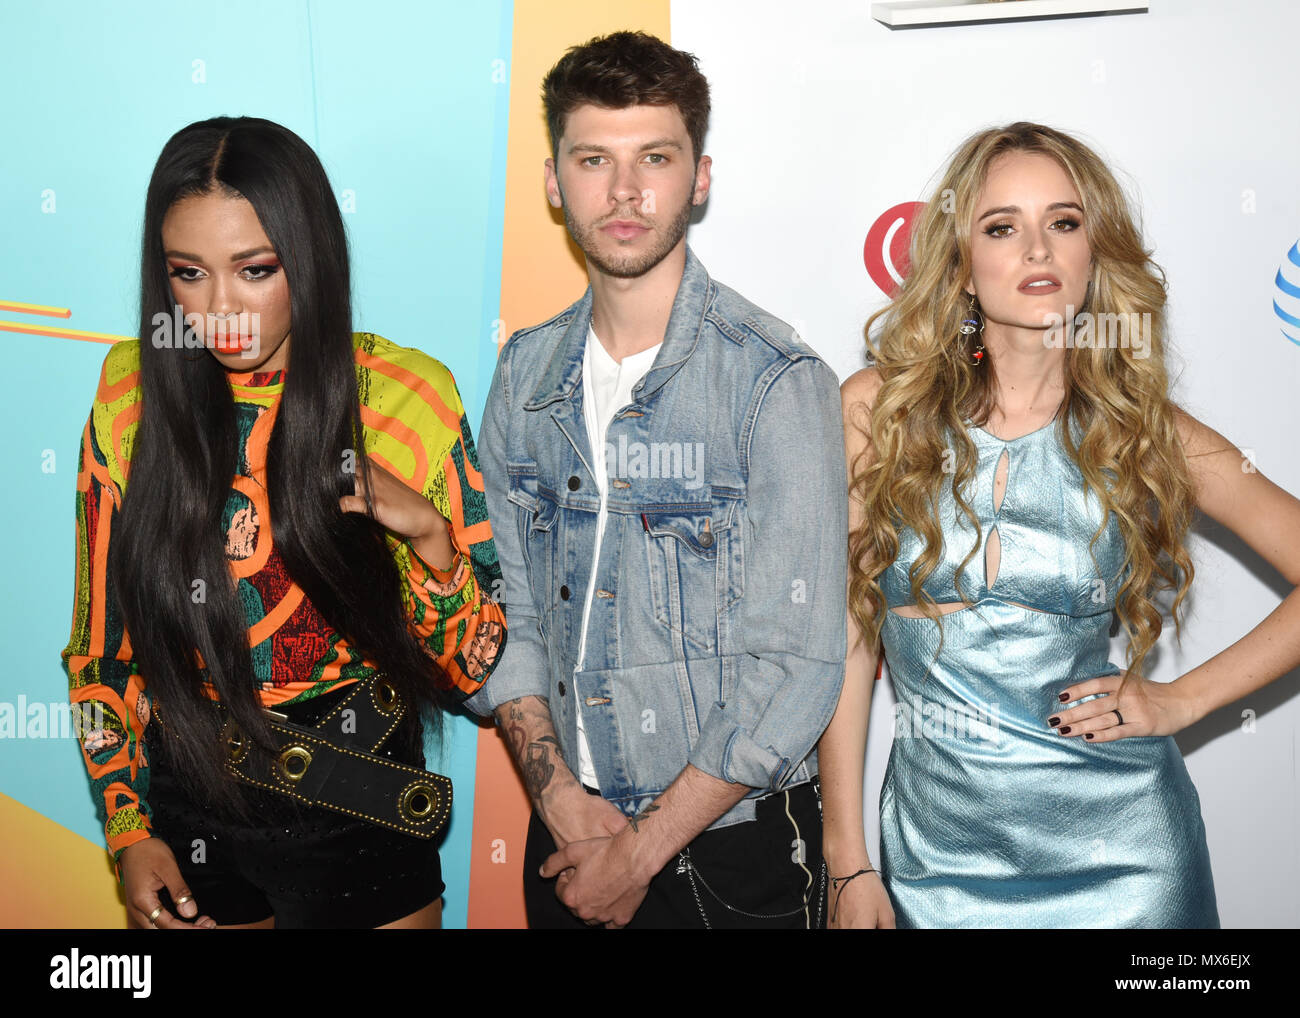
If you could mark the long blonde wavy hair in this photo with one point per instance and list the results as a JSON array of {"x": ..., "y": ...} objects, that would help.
[{"x": 1128, "y": 449}]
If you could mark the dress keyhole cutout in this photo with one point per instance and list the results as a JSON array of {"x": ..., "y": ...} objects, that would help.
[{"x": 993, "y": 546}]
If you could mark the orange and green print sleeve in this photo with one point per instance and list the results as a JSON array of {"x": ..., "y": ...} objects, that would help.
[
  {"x": 110, "y": 704},
  {"x": 417, "y": 429},
  {"x": 454, "y": 611}
]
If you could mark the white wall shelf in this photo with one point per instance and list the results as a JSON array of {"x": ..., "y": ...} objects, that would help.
[{"x": 920, "y": 13}]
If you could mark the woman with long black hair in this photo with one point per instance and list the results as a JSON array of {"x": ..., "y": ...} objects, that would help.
[{"x": 299, "y": 569}]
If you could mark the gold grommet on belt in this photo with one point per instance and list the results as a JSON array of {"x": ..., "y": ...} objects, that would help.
[
  {"x": 236, "y": 747},
  {"x": 418, "y": 802},
  {"x": 386, "y": 696},
  {"x": 293, "y": 762}
]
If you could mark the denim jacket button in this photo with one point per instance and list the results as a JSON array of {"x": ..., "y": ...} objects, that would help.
[
  {"x": 564, "y": 592},
  {"x": 574, "y": 483},
  {"x": 706, "y": 539},
  {"x": 562, "y": 688}
]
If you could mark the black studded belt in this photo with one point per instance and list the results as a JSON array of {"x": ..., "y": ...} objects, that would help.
[{"x": 335, "y": 763}]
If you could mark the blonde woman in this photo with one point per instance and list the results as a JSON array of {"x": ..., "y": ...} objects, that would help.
[{"x": 1013, "y": 487}]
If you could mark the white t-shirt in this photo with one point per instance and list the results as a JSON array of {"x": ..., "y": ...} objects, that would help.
[{"x": 606, "y": 388}]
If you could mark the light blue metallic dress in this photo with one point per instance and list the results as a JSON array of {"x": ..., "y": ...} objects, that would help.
[{"x": 988, "y": 817}]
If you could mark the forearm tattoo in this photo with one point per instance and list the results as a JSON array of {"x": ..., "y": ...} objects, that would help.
[
  {"x": 636, "y": 821},
  {"x": 536, "y": 757},
  {"x": 538, "y": 769}
]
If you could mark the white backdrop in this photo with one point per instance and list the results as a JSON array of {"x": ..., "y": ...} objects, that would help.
[{"x": 824, "y": 119}]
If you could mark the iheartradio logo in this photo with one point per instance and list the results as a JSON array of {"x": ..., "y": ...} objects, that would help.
[{"x": 885, "y": 251}]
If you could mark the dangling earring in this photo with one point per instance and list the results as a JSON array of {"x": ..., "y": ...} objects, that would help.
[{"x": 974, "y": 323}]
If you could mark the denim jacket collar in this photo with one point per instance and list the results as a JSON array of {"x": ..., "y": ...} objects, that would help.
[{"x": 564, "y": 371}]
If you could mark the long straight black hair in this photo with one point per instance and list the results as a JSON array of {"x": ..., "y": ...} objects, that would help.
[{"x": 185, "y": 456}]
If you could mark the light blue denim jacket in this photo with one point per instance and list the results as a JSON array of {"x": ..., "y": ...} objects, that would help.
[{"x": 717, "y": 628}]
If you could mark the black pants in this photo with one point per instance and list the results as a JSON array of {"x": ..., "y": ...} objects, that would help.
[{"x": 762, "y": 874}]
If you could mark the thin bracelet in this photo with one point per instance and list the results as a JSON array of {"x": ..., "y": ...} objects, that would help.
[{"x": 837, "y": 885}]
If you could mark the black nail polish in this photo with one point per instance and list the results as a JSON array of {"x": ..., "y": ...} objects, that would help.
[
  {"x": 1053, "y": 721},
  {"x": 1065, "y": 698},
  {"x": 1088, "y": 735},
  {"x": 1065, "y": 730}
]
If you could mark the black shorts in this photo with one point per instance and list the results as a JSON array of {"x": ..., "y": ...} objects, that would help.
[{"x": 307, "y": 866}]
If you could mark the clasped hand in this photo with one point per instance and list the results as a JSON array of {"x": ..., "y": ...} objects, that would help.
[{"x": 597, "y": 879}]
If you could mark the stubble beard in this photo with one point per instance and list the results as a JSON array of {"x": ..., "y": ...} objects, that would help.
[{"x": 631, "y": 265}]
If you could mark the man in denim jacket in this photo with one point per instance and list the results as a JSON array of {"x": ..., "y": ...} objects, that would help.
[{"x": 665, "y": 475}]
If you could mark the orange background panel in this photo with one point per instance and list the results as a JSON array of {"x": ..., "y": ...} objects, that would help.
[{"x": 52, "y": 878}]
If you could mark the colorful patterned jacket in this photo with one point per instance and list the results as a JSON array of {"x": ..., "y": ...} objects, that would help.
[{"x": 415, "y": 427}]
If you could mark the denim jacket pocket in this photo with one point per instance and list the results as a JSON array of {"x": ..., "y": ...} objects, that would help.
[
  {"x": 696, "y": 567},
  {"x": 535, "y": 518}
]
